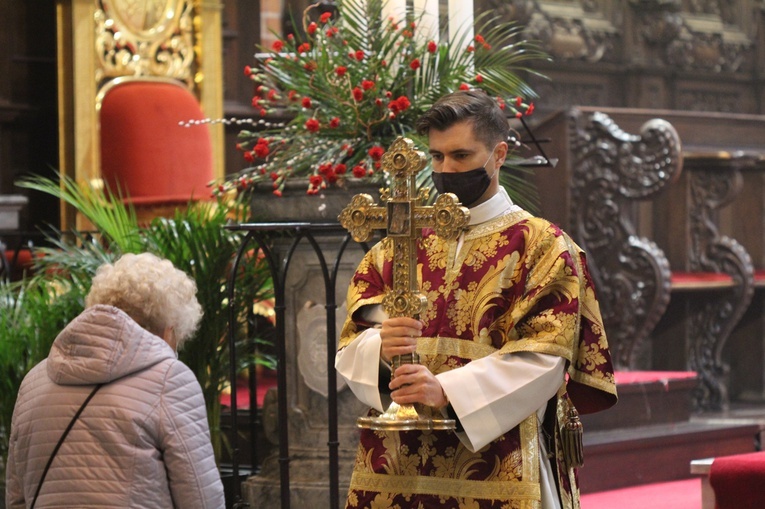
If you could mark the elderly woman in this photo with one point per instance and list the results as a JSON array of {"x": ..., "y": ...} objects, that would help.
[{"x": 143, "y": 439}]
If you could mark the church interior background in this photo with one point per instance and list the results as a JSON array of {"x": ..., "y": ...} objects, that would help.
[{"x": 655, "y": 111}]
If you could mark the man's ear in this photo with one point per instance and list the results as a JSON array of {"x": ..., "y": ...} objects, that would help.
[{"x": 501, "y": 152}]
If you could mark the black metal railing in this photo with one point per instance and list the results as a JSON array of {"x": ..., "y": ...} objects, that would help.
[{"x": 263, "y": 234}]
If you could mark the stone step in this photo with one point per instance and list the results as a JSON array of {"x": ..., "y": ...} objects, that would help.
[
  {"x": 646, "y": 398},
  {"x": 622, "y": 457}
]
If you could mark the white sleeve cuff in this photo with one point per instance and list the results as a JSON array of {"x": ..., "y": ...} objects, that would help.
[
  {"x": 359, "y": 364},
  {"x": 494, "y": 394}
]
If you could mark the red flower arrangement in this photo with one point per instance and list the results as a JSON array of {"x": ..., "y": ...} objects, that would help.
[{"x": 353, "y": 82}]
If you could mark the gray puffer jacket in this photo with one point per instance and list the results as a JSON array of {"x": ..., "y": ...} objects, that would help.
[{"x": 142, "y": 441}]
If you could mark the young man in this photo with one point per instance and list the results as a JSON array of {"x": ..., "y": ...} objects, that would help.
[{"x": 511, "y": 311}]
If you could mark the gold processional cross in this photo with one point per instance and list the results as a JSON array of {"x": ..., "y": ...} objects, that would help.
[{"x": 403, "y": 216}]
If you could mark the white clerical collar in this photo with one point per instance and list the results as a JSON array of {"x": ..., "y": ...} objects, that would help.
[{"x": 495, "y": 206}]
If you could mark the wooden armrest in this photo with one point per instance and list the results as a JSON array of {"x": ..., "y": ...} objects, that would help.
[{"x": 702, "y": 467}]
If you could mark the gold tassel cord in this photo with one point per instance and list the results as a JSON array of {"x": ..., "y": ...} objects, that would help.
[{"x": 573, "y": 446}]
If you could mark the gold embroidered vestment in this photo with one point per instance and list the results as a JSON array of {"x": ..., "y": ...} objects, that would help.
[{"x": 517, "y": 284}]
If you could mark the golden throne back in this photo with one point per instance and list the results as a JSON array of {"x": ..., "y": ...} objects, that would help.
[{"x": 158, "y": 54}]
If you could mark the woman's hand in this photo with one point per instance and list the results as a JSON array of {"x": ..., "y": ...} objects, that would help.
[
  {"x": 414, "y": 383},
  {"x": 399, "y": 337}
]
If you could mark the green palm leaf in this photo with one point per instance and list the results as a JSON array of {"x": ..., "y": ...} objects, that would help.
[
  {"x": 113, "y": 219},
  {"x": 194, "y": 240}
]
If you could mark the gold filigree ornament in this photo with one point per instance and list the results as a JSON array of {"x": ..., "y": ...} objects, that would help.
[
  {"x": 403, "y": 216},
  {"x": 145, "y": 38}
]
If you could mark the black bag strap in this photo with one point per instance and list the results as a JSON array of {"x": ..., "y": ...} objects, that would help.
[{"x": 61, "y": 441}]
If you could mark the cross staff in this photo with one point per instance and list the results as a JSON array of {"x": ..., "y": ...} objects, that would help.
[{"x": 403, "y": 216}]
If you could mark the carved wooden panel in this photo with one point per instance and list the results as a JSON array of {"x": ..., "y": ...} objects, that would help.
[
  {"x": 581, "y": 194},
  {"x": 610, "y": 169},
  {"x": 568, "y": 30},
  {"x": 704, "y": 315},
  {"x": 724, "y": 96},
  {"x": 699, "y": 55},
  {"x": 561, "y": 91},
  {"x": 713, "y": 183},
  {"x": 745, "y": 350},
  {"x": 606, "y": 172},
  {"x": 697, "y": 35}
]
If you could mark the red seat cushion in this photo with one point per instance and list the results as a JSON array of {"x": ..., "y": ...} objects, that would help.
[
  {"x": 20, "y": 262},
  {"x": 701, "y": 280},
  {"x": 266, "y": 380},
  {"x": 145, "y": 152},
  {"x": 738, "y": 481},
  {"x": 641, "y": 377}
]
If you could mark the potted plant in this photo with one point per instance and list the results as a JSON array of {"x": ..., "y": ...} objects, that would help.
[
  {"x": 351, "y": 82},
  {"x": 195, "y": 240},
  {"x": 32, "y": 313}
]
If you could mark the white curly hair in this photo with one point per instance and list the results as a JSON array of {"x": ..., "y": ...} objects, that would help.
[{"x": 151, "y": 291}]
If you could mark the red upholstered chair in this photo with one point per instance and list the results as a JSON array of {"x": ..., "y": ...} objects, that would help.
[
  {"x": 155, "y": 162},
  {"x": 17, "y": 264}
]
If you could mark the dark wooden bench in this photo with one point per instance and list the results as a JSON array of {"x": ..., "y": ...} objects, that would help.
[
  {"x": 673, "y": 276},
  {"x": 672, "y": 281},
  {"x": 603, "y": 173}
]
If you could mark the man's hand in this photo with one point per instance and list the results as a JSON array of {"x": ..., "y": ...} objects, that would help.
[
  {"x": 414, "y": 383},
  {"x": 399, "y": 337}
]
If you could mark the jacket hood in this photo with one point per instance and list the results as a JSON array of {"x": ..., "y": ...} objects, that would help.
[{"x": 103, "y": 344}]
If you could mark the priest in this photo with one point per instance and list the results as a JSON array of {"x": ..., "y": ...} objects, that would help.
[{"x": 511, "y": 345}]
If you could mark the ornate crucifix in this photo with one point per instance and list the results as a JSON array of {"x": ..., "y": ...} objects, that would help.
[{"x": 403, "y": 216}]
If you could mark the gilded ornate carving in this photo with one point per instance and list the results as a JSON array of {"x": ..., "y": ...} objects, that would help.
[
  {"x": 141, "y": 16},
  {"x": 632, "y": 275},
  {"x": 147, "y": 38}
]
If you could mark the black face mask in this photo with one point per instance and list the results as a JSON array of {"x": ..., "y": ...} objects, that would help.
[{"x": 469, "y": 186}]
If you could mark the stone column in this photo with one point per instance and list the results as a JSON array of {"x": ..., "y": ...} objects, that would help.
[{"x": 306, "y": 348}]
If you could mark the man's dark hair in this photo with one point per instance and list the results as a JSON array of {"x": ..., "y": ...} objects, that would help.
[{"x": 489, "y": 122}]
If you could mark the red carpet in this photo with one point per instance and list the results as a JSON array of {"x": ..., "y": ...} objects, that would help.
[
  {"x": 739, "y": 481},
  {"x": 684, "y": 494},
  {"x": 635, "y": 377}
]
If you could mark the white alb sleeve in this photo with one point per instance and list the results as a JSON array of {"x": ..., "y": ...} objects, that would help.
[
  {"x": 359, "y": 364},
  {"x": 492, "y": 395}
]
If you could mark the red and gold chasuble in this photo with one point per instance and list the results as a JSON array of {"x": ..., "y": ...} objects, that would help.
[{"x": 517, "y": 284}]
